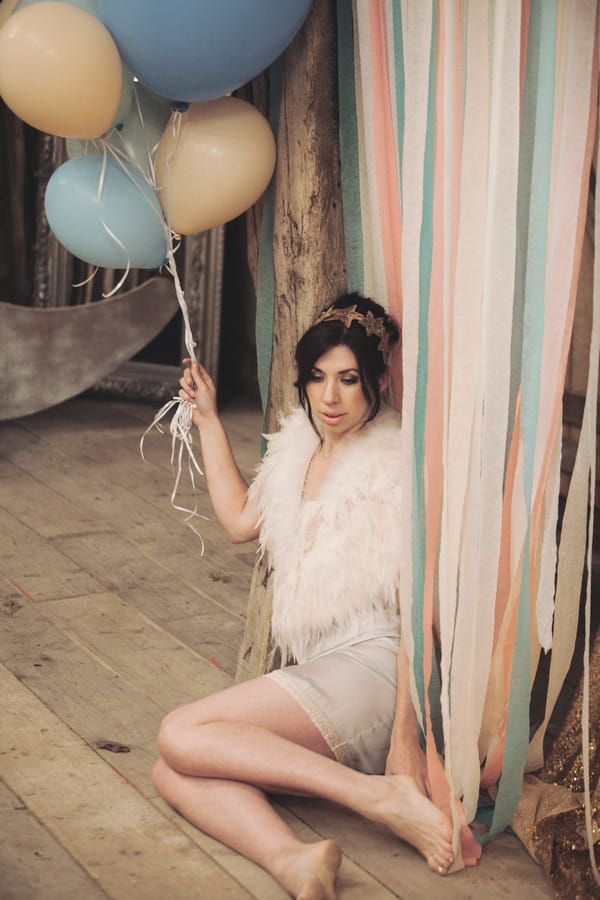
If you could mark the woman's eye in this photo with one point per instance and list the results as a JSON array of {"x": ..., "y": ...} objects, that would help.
[
  {"x": 314, "y": 376},
  {"x": 351, "y": 380}
]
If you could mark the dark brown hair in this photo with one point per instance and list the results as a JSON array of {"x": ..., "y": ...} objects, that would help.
[{"x": 328, "y": 334}]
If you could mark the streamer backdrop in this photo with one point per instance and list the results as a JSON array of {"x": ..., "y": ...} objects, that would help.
[{"x": 466, "y": 139}]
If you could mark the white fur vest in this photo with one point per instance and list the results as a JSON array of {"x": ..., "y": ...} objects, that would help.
[{"x": 335, "y": 559}]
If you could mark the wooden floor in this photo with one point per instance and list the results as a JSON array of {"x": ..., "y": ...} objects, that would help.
[{"x": 110, "y": 617}]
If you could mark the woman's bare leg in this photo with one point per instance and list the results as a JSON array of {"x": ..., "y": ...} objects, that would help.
[
  {"x": 255, "y": 733},
  {"x": 241, "y": 816}
]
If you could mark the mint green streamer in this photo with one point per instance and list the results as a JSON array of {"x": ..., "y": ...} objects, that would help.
[
  {"x": 265, "y": 288},
  {"x": 418, "y": 508},
  {"x": 539, "y": 88},
  {"x": 349, "y": 152}
]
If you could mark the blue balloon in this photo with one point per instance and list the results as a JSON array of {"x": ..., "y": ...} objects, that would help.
[
  {"x": 90, "y": 6},
  {"x": 83, "y": 208},
  {"x": 200, "y": 49},
  {"x": 135, "y": 138}
]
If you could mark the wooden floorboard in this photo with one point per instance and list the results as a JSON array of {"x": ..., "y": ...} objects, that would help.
[
  {"x": 33, "y": 863},
  {"x": 109, "y": 617},
  {"x": 99, "y": 816}
]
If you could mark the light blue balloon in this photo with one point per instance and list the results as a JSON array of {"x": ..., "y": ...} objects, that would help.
[
  {"x": 200, "y": 49},
  {"x": 82, "y": 217},
  {"x": 135, "y": 139},
  {"x": 90, "y": 6},
  {"x": 142, "y": 128}
]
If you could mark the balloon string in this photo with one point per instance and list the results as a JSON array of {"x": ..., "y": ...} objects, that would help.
[
  {"x": 124, "y": 163},
  {"x": 88, "y": 279},
  {"x": 181, "y": 423},
  {"x": 171, "y": 266},
  {"x": 106, "y": 148},
  {"x": 108, "y": 230},
  {"x": 181, "y": 441},
  {"x": 150, "y": 151}
]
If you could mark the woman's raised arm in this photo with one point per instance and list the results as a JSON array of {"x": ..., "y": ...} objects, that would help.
[{"x": 226, "y": 486}]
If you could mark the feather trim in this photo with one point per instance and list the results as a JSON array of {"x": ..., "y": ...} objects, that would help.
[{"x": 335, "y": 559}]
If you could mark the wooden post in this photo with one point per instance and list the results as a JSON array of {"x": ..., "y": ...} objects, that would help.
[
  {"x": 308, "y": 247},
  {"x": 15, "y": 236}
]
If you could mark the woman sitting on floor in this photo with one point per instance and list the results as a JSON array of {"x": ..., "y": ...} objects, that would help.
[{"x": 336, "y": 721}]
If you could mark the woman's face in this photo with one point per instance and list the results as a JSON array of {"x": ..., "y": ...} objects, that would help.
[{"x": 335, "y": 393}]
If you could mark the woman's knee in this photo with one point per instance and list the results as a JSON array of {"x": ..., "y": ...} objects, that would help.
[
  {"x": 160, "y": 777},
  {"x": 182, "y": 744},
  {"x": 170, "y": 738}
]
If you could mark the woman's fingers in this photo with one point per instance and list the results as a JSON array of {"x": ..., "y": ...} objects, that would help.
[
  {"x": 196, "y": 370},
  {"x": 187, "y": 386},
  {"x": 198, "y": 388},
  {"x": 200, "y": 374}
]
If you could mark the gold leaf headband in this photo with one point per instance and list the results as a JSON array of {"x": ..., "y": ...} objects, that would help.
[{"x": 349, "y": 314}]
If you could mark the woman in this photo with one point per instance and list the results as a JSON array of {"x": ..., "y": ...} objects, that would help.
[{"x": 337, "y": 721}]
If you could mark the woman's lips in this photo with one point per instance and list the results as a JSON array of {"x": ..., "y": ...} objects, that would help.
[{"x": 331, "y": 418}]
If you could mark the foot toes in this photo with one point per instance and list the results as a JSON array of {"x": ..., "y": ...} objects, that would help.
[
  {"x": 442, "y": 867},
  {"x": 438, "y": 868}
]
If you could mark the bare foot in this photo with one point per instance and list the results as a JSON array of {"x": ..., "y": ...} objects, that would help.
[
  {"x": 410, "y": 815},
  {"x": 309, "y": 872},
  {"x": 471, "y": 848}
]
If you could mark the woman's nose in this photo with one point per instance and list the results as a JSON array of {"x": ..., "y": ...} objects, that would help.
[{"x": 331, "y": 393}]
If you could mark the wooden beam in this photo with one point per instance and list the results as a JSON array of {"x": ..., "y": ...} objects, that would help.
[
  {"x": 308, "y": 247},
  {"x": 308, "y": 242}
]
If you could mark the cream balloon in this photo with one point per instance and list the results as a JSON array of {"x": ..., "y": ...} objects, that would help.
[
  {"x": 213, "y": 164},
  {"x": 6, "y": 8},
  {"x": 60, "y": 69}
]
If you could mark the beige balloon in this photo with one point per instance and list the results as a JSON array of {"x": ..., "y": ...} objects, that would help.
[
  {"x": 213, "y": 162},
  {"x": 6, "y": 7},
  {"x": 60, "y": 69}
]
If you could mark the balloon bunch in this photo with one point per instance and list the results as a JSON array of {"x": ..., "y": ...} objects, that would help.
[
  {"x": 141, "y": 91},
  {"x": 157, "y": 147}
]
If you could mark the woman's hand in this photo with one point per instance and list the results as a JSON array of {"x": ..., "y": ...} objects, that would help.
[
  {"x": 407, "y": 758},
  {"x": 226, "y": 485},
  {"x": 197, "y": 387}
]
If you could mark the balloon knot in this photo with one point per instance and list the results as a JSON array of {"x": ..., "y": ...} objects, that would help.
[{"x": 179, "y": 105}]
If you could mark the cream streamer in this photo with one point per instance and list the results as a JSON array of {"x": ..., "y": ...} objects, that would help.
[
  {"x": 574, "y": 64},
  {"x": 417, "y": 20},
  {"x": 465, "y": 624},
  {"x": 577, "y": 538},
  {"x": 589, "y": 435},
  {"x": 498, "y": 309},
  {"x": 374, "y": 268},
  {"x": 571, "y": 549}
]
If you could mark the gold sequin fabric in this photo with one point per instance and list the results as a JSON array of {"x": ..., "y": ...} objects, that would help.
[{"x": 550, "y": 819}]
